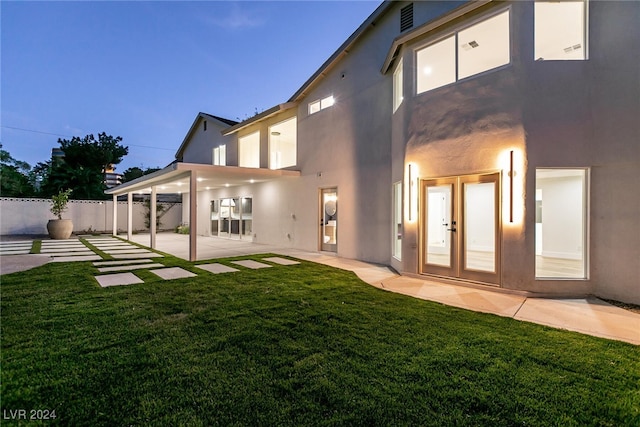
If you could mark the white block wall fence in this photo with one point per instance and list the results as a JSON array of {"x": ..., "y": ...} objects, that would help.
[{"x": 30, "y": 216}]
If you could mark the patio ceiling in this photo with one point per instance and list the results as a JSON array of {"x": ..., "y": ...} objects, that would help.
[{"x": 175, "y": 178}]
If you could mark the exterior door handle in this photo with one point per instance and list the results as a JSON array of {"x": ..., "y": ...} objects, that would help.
[{"x": 451, "y": 229}]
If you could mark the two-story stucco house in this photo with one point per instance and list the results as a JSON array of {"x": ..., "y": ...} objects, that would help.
[{"x": 494, "y": 143}]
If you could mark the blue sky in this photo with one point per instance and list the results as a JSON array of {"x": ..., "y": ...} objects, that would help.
[{"x": 143, "y": 70}]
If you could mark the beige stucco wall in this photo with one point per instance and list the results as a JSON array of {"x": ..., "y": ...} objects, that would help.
[
  {"x": 559, "y": 114},
  {"x": 201, "y": 143}
]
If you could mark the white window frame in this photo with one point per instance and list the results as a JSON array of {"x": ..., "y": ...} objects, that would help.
[
  {"x": 585, "y": 223},
  {"x": 321, "y": 104},
  {"x": 398, "y": 87},
  {"x": 220, "y": 155},
  {"x": 585, "y": 31},
  {"x": 454, "y": 33},
  {"x": 242, "y": 158},
  {"x": 278, "y": 162},
  {"x": 396, "y": 221}
]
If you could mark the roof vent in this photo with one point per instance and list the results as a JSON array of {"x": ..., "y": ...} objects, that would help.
[{"x": 406, "y": 17}]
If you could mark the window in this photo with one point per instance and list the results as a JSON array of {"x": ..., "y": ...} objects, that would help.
[
  {"x": 559, "y": 30},
  {"x": 283, "y": 144},
  {"x": 249, "y": 151},
  {"x": 220, "y": 155},
  {"x": 397, "y": 220},
  {"x": 561, "y": 223},
  {"x": 473, "y": 50},
  {"x": 204, "y": 126},
  {"x": 397, "y": 86},
  {"x": 437, "y": 65},
  {"x": 484, "y": 46},
  {"x": 321, "y": 104}
]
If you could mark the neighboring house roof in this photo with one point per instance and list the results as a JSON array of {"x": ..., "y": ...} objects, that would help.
[
  {"x": 258, "y": 117},
  {"x": 183, "y": 146}
]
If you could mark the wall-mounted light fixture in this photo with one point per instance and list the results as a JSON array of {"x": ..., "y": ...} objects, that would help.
[
  {"x": 410, "y": 193},
  {"x": 512, "y": 174}
]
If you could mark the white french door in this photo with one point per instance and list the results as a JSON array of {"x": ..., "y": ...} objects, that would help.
[{"x": 461, "y": 227}]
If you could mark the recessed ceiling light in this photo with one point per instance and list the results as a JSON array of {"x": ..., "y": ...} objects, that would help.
[
  {"x": 200, "y": 179},
  {"x": 252, "y": 181}
]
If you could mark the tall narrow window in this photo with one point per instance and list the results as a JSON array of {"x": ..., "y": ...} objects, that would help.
[
  {"x": 249, "y": 151},
  {"x": 283, "y": 144},
  {"x": 204, "y": 126},
  {"x": 560, "y": 30},
  {"x": 397, "y": 220},
  {"x": 561, "y": 223},
  {"x": 397, "y": 86},
  {"x": 220, "y": 155}
]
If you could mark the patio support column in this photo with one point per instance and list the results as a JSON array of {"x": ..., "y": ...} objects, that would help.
[
  {"x": 129, "y": 215},
  {"x": 152, "y": 217},
  {"x": 115, "y": 216},
  {"x": 193, "y": 214}
]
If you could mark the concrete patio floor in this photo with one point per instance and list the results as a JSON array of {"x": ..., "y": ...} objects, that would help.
[{"x": 590, "y": 316}]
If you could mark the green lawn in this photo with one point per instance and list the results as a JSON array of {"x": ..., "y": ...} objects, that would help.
[{"x": 292, "y": 345}]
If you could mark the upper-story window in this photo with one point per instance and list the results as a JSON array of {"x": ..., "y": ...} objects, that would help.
[
  {"x": 321, "y": 104},
  {"x": 249, "y": 151},
  {"x": 220, "y": 155},
  {"x": 283, "y": 143},
  {"x": 560, "y": 30},
  {"x": 470, "y": 51},
  {"x": 397, "y": 86}
]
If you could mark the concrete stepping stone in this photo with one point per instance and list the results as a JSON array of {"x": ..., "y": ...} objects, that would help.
[
  {"x": 216, "y": 268},
  {"x": 121, "y": 262},
  {"x": 118, "y": 279},
  {"x": 62, "y": 250},
  {"x": 126, "y": 251},
  {"x": 15, "y": 252},
  {"x": 129, "y": 267},
  {"x": 16, "y": 245},
  {"x": 68, "y": 253},
  {"x": 115, "y": 246},
  {"x": 254, "y": 265},
  {"x": 134, "y": 256},
  {"x": 171, "y": 273},
  {"x": 76, "y": 258},
  {"x": 16, "y": 242},
  {"x": 281, "y": 261}
]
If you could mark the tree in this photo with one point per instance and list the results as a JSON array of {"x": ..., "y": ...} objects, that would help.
[
  {"x": 87, "y": 152},
  {"x": 136, "y": 172},
  {"x": 15, "y": 176},
  {"x": 83, "y": 166}
]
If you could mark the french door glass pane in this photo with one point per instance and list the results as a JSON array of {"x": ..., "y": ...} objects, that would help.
[
  {"x": 480, "y": 226},
  {"x": 439, "y": 218}
]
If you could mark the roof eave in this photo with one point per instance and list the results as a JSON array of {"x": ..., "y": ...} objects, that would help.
[
  {"x": 259, "y": 117},
  {"x": 426, "y": 28},
  {"x": 133, "y": 184},
  {"x": 342, "y": 51},
  {"x": 200, "y": 115}
]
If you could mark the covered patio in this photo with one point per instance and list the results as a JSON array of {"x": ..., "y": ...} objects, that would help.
[{"x": 187, "y": 178}]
